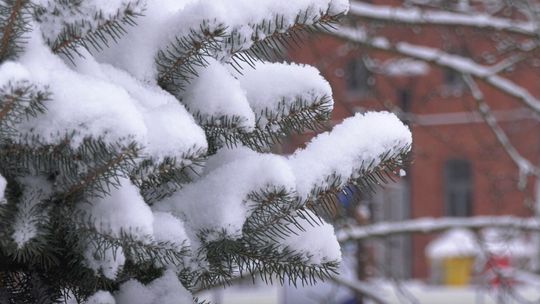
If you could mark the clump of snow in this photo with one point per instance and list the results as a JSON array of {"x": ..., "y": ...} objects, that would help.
[
  {"x": 91, "y": 106},
  {"x": 225, "y": 156},
  {"x": 101, "y": 297},
  {"x": 357, "y": 143},
  {"x": 107, "y": 261},
  {"x": 219, "y": 200},
  {"x": 164, "y": 290},
  {"x": 13, "y": 71},
  {"x": 30, "y": 214},
  {"x": 317, "y": 241},
  {"x": 3, "y": 184},
  {"x": 453, "y": 243},
  {"x": 272, "y": 88},
  {"x": 102, "y": 101},
  {"x": 25, "y": 226},
  {"x": 171, "y": 130},
  {"x": 215, "y": 93},
  {"x": 123, "y": 210},
  {"x": 135, "y": 52},
  {"x": 168, "y": 228}
]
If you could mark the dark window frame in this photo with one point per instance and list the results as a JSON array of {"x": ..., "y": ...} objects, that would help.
[
  {"x": 458, "y": 188},
  {"x": 357, "y": 77}
]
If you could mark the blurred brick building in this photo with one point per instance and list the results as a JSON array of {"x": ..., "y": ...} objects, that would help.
[{"x": 458, "y": 168}]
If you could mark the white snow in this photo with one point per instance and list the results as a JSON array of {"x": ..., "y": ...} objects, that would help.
[
  {"x": 100, "y": 297},
  {"x": 168, "y": 228},
  {"x": 453, "y": 243},
  {"x": 91, "y": 106},
  {"x": 164, "y": 21},
  {"x": 25, "y": 226},
  {"x": 12, "y": 72},
  {"x": 218, "y": 201},
  {"x": 244, "y": 17},
  {"x": 272, "y": 88},
  {"x": 105, "y": 102},
  {"x": 124, "y": 210},
  {"x": 108, "y": 260},
  {"x": 164, "y": 290},
  {"x": 402, "y": 173},
  {"x": 135, "y": 52},
  {"x": 317, "y": 241},
  {"x": 215, "y": 93},
  {"x": 3, "y": 184},
  {"x": 355, "y": 144},
  {"x": 29, "y": 214},
  {"x": 170, "y": 129},
  {"x": 114, "y": 96}
]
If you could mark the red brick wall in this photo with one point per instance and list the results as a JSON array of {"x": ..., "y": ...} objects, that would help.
[{"x": 494, "y": 174}]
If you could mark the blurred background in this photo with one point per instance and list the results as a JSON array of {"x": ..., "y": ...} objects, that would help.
[{"x": 461, "y": 224}]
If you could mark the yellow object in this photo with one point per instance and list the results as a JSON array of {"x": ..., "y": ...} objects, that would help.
[{"x": 457, "y": 270}]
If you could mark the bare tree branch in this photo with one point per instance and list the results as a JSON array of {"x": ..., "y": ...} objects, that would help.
[
  {"x": 365, "y": 289},
  {"x": 415, "y": 16},
  {"x": 427, "y": 225},
  {"x": 525, "y": 166},
  {"x": 440, "y": 58}
]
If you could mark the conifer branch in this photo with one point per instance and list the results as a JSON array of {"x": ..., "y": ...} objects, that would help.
[
  {"x": 137, "y": 250},
  {"x": 177, "y": 62},
  {"x": 231, "y": 258},
  {"x": 273, "y": 214},
  {"x": 323, "y": 200},
  {"x": 273, "y": 36},
  {"x": 84, "y": 33},
  {"x": 18, "y": 101},
  {"x": 159, "y": 180},
  {"x": 285, "y": 120},
  {"x": 12, "y": 27},
  {"x": 110, "y": 163}
]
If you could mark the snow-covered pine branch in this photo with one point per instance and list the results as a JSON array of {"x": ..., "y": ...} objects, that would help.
[
  {"x": 357, "y": 152},
  {"x": 113, "y": 172}
]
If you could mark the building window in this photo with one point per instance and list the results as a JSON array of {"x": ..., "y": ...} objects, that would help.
[
  {"x": 453, "y": 81},
  {"x": 458, "y": 188},
  {"x": 357, "y": 77},
  {"x": 404, "y": 100},
  {"x": 393, "y": 254}
]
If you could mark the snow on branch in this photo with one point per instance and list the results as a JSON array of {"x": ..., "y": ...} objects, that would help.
[
  {"x": 352, "y": 148},
  {"x": 273, "y": 89},
  {"x": 440, "y": 58},
  {"x": 427, "y": 225},
  {"x": 415, "y": 16},
  {"x": 524, "y": 165}
]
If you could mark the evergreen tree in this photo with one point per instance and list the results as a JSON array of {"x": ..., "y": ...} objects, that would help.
[{"x": 134, "y": 148}]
